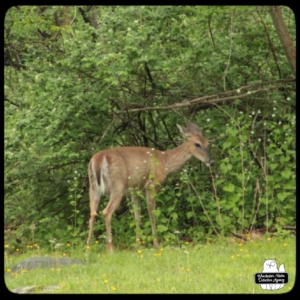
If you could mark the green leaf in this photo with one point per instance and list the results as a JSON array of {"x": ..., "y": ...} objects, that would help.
[
  {"x": 229, "y": 188},
  {"x": 189, "y": 214},
  {"x": 286, "y": 174},
  {"x": 161, "y": 228}
]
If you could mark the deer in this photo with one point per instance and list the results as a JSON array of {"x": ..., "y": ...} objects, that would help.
[{"x": 117, "y": 171}]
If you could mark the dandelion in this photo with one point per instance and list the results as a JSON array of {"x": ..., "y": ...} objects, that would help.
[
  {"x": 158, "y": 279},
  {"x": 105, "y": 281},
  {"x": 268, "y": 239},
  {"x": 6, "y": 246},
  {"x": 284, "y": 245},
  {"x": 232, "y": 256},
  {"x": 241, "y": 250},
  {"x": 24, "y": 271},
  {"x": 248, "y": 255},
  {"x": 141, "y": 256},
  {"x": 97, "y": 242},
  {"x": 88, "y": 247},
  {"x": 238, "y": 254},
  {"x": 113, "y": 288},
  {"x": 161, "y": 249},
  {"x": 240, "y": 244},
  {"x": 186, "y": 243},
  {"x": 188, "y": 269},
  {"x": 8, "y": 270},
  {"x": 139, "y": 251}
]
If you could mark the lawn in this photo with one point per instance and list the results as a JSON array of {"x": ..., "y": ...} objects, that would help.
[{"x": 223, "y": 266}]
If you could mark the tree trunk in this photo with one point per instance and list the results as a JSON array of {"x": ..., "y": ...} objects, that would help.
[{"x": 284, "y": 36}]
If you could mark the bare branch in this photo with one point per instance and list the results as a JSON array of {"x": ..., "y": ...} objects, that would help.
[{"x": 214, "y": 99}]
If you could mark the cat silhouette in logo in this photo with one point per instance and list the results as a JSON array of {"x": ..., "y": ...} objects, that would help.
[{"x": 270, "y": 266}]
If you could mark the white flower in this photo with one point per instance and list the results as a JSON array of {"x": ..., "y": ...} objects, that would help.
[
  {"x": 128, "y": 29},
  {"x": 252, "y": 132},
  {"x": 208, "y": 120},
  {"x": 274, "y": 108},
  {"x": 259, "y": 140},
  {"x": 259, "y": 111},
  {"x": 279, "y": 122},
  {"x": 238, "y": 91},
  {"x": 273, "y": 115},
  {"x": 253, "y": 113}
]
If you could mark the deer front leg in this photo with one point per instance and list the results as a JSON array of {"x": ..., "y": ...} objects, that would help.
[
  {"x": 136, "y": 201},
  {"x": 112, "y": 205},
  {"x": 151, "y": 194}
]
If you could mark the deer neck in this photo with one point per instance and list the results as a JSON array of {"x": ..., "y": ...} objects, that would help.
[{"x": 176, "y": 158}]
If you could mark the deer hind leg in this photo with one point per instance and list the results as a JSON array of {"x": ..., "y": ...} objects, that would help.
[
  {"x": 151, "y": 194},
  {"x": 114, "y": 201},
  {"x": 136, "y": 201},
  {"x": 94, "y": 203}
]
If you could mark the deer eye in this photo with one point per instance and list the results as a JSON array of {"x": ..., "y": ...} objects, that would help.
[{"x": 198, "y": 145}]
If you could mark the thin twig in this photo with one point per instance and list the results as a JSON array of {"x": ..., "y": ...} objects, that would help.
[
  {"x": 74, "y": 15},
  {"x": 230, "y": 50}
]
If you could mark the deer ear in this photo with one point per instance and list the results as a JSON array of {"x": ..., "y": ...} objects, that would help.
[
  {"x": 184, "y": 131},
  {"x": 194, "y": 128}
]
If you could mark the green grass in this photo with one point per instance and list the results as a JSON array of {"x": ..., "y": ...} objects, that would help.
[{"x": 221, "y": 267}]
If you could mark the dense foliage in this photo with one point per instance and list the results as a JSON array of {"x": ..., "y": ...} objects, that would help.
[{"x": 81, "y": 79}]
